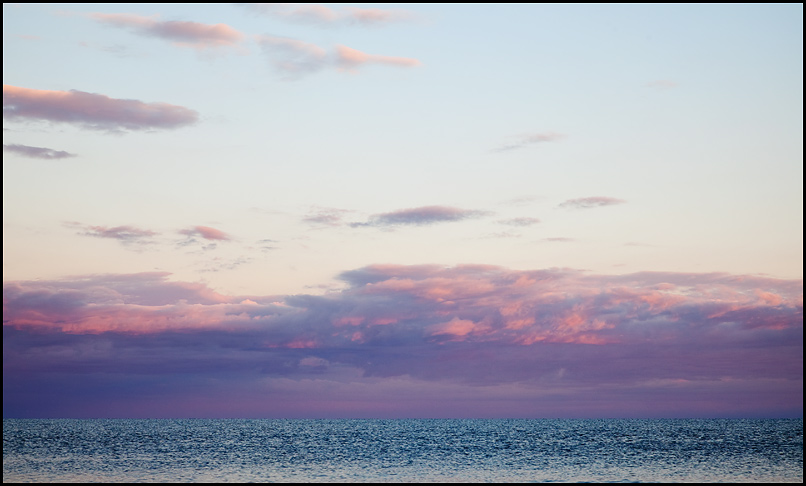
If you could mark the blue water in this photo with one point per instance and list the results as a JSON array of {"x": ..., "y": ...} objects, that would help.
[{"x": 197, "y": 450}]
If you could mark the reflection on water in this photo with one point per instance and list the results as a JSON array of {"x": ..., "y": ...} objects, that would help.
[{"x": 437, "y": 450}]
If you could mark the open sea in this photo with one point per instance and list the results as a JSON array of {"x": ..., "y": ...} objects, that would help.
[{"x": 427, "y": 450}]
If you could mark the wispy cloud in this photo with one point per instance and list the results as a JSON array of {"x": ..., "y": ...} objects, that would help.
[
  {"x": 424, "y": 215},
  {"x": 92, "y": 111},
  {"x": 36, "y": 152},
  {"x": 125, "y": 234},
  {"x": 295, "y": 58},
  {"x": 325, "y": 217},
  {"x": 114, "y": 49},
  {"x": 662, "y": 84},
  {"x": 180, "y": 33},
  {"x": 558, "y": 239},
  {"x": 591, "y": 202},
  {"x": 522, "y": 221},
  {"x": 526, "y": 139},
  {"x": 323, "y": 15},
  {"x": 570, "y": 334}
]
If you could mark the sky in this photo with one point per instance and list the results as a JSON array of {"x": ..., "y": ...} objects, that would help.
[{"x": 402, "y": 210}]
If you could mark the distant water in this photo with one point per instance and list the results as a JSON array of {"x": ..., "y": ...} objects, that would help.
[{"x": 197, "y": 450}]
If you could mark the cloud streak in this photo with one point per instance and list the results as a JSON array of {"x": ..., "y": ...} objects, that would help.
[
  {"x": 124, "y": 234},
  {"x": 36, "y": 152},
  {"x": 92, "y": 111},
  {"x": 476, "y": 328},
  {"x": 527, "y": 139},
  {"x": 295, "y": 58},
  {"x": 180, "y": 33},
  {"x": 522, "y": 221},
  {"x": 323, "y": 15},
  {"x": 591, "y": 202}
]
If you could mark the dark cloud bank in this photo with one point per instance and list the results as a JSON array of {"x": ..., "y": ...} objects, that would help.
[{"x": 403, "y": 341}]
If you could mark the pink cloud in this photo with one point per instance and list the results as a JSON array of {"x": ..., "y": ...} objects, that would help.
[
  {"x": 180, "y": 33},
  {"x": 591, "y": 202},
  {"x": 350, "y": 59},
  {"x": 295, "y": 58},
  {"x": 90, "y": 110},
  {"x": 36, "y": 152},
  {"x": 207, "y": 233}
]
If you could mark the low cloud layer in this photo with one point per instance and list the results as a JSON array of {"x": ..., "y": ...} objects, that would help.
[
  {"x": 36, "y": 152},
  {"x": 92, "y": 111},
  {"x": 554, "y": 340}
]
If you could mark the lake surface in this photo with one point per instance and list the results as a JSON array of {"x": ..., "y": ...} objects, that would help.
[{"x": 438, "y": 450}]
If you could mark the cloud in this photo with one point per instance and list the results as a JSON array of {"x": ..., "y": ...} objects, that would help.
[
  {"x": 207, "y": 233},
  {"x": 36, "y": 152},
  {"x": 114, "y": 49},
  {"x": 662, "y": 84},
  {"x": 323, "y": 15},
  {"x": 424, "y": 215},
  {"x": 92, "y": 111},
  {"x": 124, "y": 234},
  {"x": 523, "y": 221},
  {"x": 476, "y": 329},
  {"x": 295, "y": 58},
  {"x": 180, "y": 33},
  {"x": 325, "y": 217},
  {"x": 529, "y": 139},
  {"x": 350, "y": 59},
  {"x": 591, "y": 202},
  {"x": 558, "y": 239}
]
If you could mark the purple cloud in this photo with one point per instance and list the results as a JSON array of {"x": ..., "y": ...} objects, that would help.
[
  {"x": 591, "y": 202},
  {"x": 690, "y": 344},
  {"x": 424, "y": 215},
  {"x": 92, "y": 111},
  {"x": 36, "y": 152}
]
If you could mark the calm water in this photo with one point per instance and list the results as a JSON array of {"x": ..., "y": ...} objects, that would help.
[{"x": 199, "y": 450}]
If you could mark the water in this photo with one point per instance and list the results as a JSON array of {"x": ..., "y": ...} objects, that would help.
[{"x": 197, "y": 450}]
